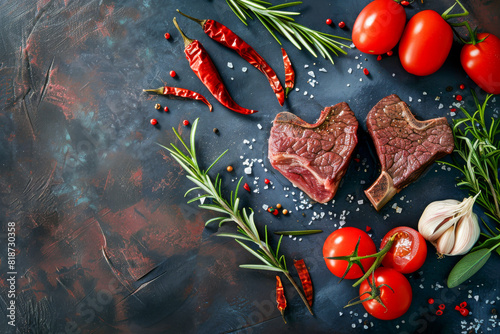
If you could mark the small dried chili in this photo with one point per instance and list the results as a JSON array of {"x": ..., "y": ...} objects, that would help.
[
  {"x": 180, "y": 92},
  {"x": 289, "y": 72},
  {"x": 202, "y": 65},
  {"x": 280, "y": 297},
  {"x": 223, "y": 35},
  {"x": 305, "y": 279}
]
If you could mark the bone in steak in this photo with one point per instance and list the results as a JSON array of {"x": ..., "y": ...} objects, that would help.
[
  {"x": 314, "y": 157},
  {"x": 405, "y": 146}
]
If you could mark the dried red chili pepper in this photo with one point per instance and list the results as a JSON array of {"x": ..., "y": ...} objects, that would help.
[
  {"x": 202, "y": 65},
  {"x": 305, "y": 278},
  {"x": 223, "y": 35},
  {"x": 180, "y": 92},
  {"x": 280, "y": 297},
  {"x": 289, "y": 72}
]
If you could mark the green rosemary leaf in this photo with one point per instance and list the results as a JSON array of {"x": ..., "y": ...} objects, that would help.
[
  {"x": 216, "y": 160},
  {"x": 302, "y": 232},
  {"x": 214, "y": 220},
  {"x": 212, "y": 207},
  {"x": 235, "y": 207},
  {"x": 233, "y": 235},
  {"x": 261, "y": 267},
  {"x": 191, "y": 140},
  {"x": 284, "y": 5},
  {"x": 237, "y": 10},
  {"x": 254, "y": 253},
  {"x": 279, "y": 244},
  {"x": 192, "y": 189},
  {"x": 236, "y": 189},
  {"x": 226, "y": 220},
  {"x": 263, "y": 20},
  {"x": 198, "y": 198}
]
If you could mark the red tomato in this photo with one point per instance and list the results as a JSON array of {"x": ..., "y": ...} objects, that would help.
[
  {"x": 481, "y": 62},
  {"x": 408, "y": 252},
  {"x": 426, "y": 43},
  {"x": 396, "y": 302},
  {"x": 379, "y": 26},
  {"x": 341, "y": 243}
]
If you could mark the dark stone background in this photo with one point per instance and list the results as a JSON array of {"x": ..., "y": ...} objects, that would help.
[{"x": 105, "y": 240}]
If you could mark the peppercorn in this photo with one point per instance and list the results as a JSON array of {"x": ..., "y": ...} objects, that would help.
[
  {"x": 365, "y": 71},
  {"x": 229, "y": 169},
  {"x": 185, "y": 122},
  {"x": 266, "y": 181},
  {"x": 405, "y": 3},
  {"x": 459, "y": 98},
  {"x": 285, "y": 211},
  {"x": 167, "y": 35},
  {"x": 449, "y": 89},
  {"x": 390, "y": 53},
  {"x": 379, "y": 57},
  {"x": 278, "y": 206},
  {"x": 328, "y": 21},
  {"x": 493, "y": 311},
  {"x": 216, "y": 130},
  {"x": 462, "y": 86},
  {"x": 430, "y": 301},
  {"x": 173, "y": 74},
  {"x": 165, "y": 109},
  {"x": 153, "y": 121},
  {"x": 341, "y": 24},
  {"x": 157, "y": 106}
]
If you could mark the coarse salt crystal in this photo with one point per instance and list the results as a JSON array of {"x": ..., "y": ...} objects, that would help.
[
  {"x": 441, "y": 106},
  {"x": 349, "y": 70},
  {"x": 360, "y": 202},
  {"x": 410, "y": 99},
  {"x": 259, "y": 126},
  {"x": 229, "y": 64},
  {"x": 424, "y": 93},
  {"x": 244, "y": 69},
  {"x": 322, "y": 69},
  {"x": 393, "y": 74},
  {"x": 311, "y": 73},
  {"x": 306, "y": 66},
  {"x": 248, "y": 170},
  {"x": 305, "y": 93},
  {"x": 297, "y": 89}
]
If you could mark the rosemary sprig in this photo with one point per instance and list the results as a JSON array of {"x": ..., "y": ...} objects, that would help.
[
  {"x": 273, "y": 18},
  {"x": 247, "y": 230},
  {"x": 477, "y": 146}
]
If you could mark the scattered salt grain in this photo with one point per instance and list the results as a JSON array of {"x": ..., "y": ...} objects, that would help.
[
  {"x": 322, "y": 69},
  {"x": 437, "y": 98},
  {"x": 306, "y": 66},
  {"x": 393, "y": 74},
  {"x": 265, "y": 207},
  {"x": 248, "y": 170},
  {"x": 259, "y": 126},
  {"x": 244, "y": 69},
  {"x": 410, "y": 99},
  {"x": 349, "y": 70},
  {"x": 311, "y": 97},
  {"x": 305, "y": 93},
  {"x": 440, "y": 106},
  {"x": 297, "y": 89},
  {"x": 348, "y": 85},
  {"x": 360, "y": 202},
  {"x": 311, "y": 73},
  {"x": 232, "y": 78},
  {"x": 229, "y": 64},
  {"x": 424, "y": 93}
]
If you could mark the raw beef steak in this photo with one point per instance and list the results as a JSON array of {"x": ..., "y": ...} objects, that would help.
[
  {"x": 405, "y": 146},
  {"x": 314, "y": 157}
]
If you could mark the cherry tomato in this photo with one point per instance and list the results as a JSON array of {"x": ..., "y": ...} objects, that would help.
[
  {"x": 342, "y": 242},
  {"x": 408, "y": 252},
  {"x": 481, "y": 62},
  {"x": 396, "y": 302},
  {"x": 425, "y": 44},
  {"x": 378, "y": 27}
]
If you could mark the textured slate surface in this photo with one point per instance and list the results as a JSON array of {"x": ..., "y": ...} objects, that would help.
[{"x": 105, "y": 240}]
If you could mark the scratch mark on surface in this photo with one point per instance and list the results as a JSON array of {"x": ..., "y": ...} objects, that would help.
[
  {"x": 140, "y": 214},
  {"x": 107, "y": 179},
  {"x": 46, "y": 185},
  {"x": 143, "y": 285},
  {"x": 250, "y": 326},
  {"x": 47, "y": 79},
  {"x": 83, "y": 87},
  {"x": 65, "y": 288},
  {"x": 25, "y": 108}
]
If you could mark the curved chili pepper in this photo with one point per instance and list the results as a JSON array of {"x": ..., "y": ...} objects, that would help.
[
  {"x": 289, "y": 72},
  {"x": 181, "y": 92},
  {"x": 202, "y": 65},
  {"x": 305, "y": 279},
  {"x": 223, "y": 35},
  {"x": 280, "y": 297}
]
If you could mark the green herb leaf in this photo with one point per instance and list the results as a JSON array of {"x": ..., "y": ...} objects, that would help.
[
  {"x": 302, "y": 232},
  {"x": 468, "y": 266}
]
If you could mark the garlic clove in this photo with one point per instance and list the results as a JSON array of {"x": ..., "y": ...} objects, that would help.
[
  {"x": 446, "y": 242},
  {"x": 466, "y": 234},
  {"x": 437, "y": 218}
]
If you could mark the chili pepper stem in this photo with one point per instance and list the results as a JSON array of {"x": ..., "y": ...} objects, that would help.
[
  {"x": 200, "y": 22},
  {"x": 157, "y": 91},
  {"x": 187, "y": 40}
]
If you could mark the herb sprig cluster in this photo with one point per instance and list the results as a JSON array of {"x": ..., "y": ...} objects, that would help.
[
  {"x": 477, "y": 151},
  {"x": 246, "y": 228},
  {"x": 274, "y": 18}
]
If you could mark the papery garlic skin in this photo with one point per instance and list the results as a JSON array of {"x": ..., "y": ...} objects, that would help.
[{"x": 450, "y": 225}]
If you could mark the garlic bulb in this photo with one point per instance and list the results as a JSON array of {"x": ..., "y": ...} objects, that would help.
[{"x": 450, "y": 225}]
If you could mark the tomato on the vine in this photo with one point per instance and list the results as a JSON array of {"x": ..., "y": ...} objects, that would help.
[
  {"x": 394, "y": 291},
  {"x": 481, "y": 62},
  {"x": 378, "y": 27},
  {"x": 343, "y": 242},
  {"x": 425, "y": 44},
  {"x": 408, "y": 252}
]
